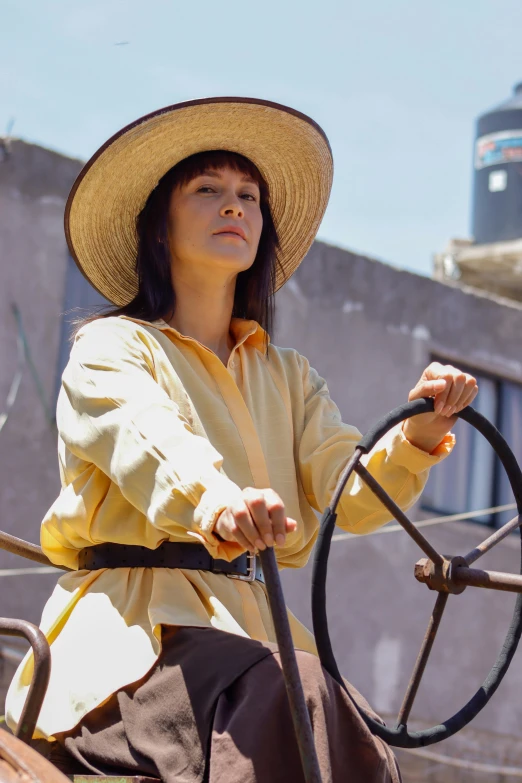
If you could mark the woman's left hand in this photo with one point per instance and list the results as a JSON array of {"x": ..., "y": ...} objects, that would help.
[{"x": 453, "y": 390}]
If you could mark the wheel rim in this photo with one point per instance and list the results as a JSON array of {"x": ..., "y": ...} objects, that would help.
[{"x": 401, "y": 736}]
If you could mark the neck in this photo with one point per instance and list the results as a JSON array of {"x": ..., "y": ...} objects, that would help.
[{"x": 204, "y": 311}]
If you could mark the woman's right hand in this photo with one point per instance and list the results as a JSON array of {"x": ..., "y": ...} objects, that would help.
[{"x": 255, "y": 521}]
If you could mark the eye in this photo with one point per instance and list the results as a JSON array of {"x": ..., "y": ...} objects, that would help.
[
  {"x": 205, "y": 189},
  {"x": 249, "y": 196}
]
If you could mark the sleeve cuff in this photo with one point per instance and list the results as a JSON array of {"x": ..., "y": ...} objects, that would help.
[
  {"x": 212, "y": 503},
  {"x": 401, "y": 452}
]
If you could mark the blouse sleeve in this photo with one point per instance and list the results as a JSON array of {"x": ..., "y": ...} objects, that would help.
[
  {"x": 327, "y": 444},
  {"x": 113, "y": 413}
]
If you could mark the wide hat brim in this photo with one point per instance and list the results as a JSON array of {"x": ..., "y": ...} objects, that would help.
[{"x": 290, "y": 150}]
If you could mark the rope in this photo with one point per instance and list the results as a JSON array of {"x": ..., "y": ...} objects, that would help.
[
  {"x": 438, "y": 520},
  {"x": 475, "y": 766}
]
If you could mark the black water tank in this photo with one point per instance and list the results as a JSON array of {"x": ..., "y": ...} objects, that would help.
[{"x": 497, "y": 190}]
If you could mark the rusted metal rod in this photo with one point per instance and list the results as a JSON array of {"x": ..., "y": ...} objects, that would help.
[
  {"x": 399, "y": 515},
  {"x": 455, "y": 576},
  {"x": 41, "y": 673},
  {"x": 17, "y": 546},
  {"x": 422, "y": 659},
  {"x": 493, "y": 539},
  {"x": 494, "y": 580}
]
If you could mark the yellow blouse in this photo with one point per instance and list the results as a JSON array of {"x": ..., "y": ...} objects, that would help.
[{"x": 156, "y": 437}]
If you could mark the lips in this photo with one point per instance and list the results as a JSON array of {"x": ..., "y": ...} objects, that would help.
[{"x": 232, "y": 230}]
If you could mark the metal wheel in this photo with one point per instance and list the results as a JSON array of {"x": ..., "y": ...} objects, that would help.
[
  {"x": 19, "y": 763},
  {"x": 445, "y": 575}
]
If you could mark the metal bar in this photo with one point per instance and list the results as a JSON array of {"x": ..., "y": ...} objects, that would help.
[
  {"x": 17, "y": 546},
  {"x": 494, "y": 580},
  {"x": 422, "y": 659},
  {"x": 399, "y": 515},
  {"x": 294, "y": 688},
  {"x": 41, "y": 673},
  {"x": 493, "y": 539}
]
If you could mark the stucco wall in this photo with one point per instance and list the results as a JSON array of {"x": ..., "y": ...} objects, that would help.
[
  {"x": 34, "y": 184},
  {"x": 370, "y": 329}
]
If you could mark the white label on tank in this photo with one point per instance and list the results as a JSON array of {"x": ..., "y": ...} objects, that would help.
[
  {"x": 496, "y": 149},
  {"x": 497, "y": 180}
]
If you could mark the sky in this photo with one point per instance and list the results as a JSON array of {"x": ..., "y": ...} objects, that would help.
[{"x": 397, "y": 86}]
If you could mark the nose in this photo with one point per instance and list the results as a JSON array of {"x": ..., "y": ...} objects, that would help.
[{"x": 232, "y": 208}]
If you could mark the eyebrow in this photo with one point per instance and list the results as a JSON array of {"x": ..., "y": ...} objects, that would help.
[{"x": 215, "y": 173}]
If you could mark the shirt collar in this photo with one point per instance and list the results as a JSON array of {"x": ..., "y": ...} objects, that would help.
[
  {"x": 250, "y": 332},
  {"x": 244, "y": 331}
]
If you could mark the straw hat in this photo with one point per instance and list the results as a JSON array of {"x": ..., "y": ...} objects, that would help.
[{"x": 290, "y": 150}]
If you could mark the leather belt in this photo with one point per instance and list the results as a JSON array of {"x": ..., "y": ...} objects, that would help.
[{"x": 169, "y": 554}]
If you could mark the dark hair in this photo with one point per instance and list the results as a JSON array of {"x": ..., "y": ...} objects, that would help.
[{"x": 156, "y": 298}]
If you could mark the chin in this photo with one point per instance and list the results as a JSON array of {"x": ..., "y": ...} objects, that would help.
[{"x": 233, "y": 262}]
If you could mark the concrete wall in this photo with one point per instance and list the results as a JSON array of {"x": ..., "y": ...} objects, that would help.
[
  {"x": 34, "y": 184},
  {"x": 370, "y": 330}
]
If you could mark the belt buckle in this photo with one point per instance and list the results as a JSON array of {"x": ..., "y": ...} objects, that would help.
[{"x": 250, "y": 575}]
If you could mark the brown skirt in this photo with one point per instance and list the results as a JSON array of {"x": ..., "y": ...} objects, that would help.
[{"x": 214, "y": 709}]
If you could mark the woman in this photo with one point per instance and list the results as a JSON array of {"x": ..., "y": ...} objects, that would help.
[{"x": 187, "y": 442}]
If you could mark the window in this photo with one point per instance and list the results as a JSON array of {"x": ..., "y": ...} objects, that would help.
[{"x": 472, "y": 477}]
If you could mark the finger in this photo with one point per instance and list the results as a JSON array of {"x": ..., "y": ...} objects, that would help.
[
  {"x": 247, "y": 527},
  {"x": 290, "y": 525},
  {"x": 441, "y": 400},
  {"x": 229, "y": 531},
  {"x": 241, "y": 539},
  {"x": 427, "y": 389},
  {"x": 471, "y": 393},
  {"x": 455, "y": 392},
  {"x": 276, "y": 509},
  {"x": 434, "y": 371},
  {"x": 463, "y": 391},
  {"x": 256, "y": 503}
]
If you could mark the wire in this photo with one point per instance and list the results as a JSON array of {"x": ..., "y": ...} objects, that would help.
[
  {"x": 34, "y": 372},
  {"x": 476, "y": 766},
  {"x": 24, "y": 356},
  {"x": 15, "y": 384},
  {"x": 438, "y": 520},
  {"x": 338, "y": 537},
  {"x": 11, "y": 654},
  {"x": 30, "y": 571}
]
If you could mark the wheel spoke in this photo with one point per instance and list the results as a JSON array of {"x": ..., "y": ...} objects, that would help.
[
  {"x": 493, "y": 580},
  {"x": 493, "y": 539},
  {"x": 399, "y": 515},
  {"x": 422, "y": 659},
  {"x": 343, "y": 478}
]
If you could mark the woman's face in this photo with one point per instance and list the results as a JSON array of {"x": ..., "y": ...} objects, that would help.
[{"x": 215, "y": 223}]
